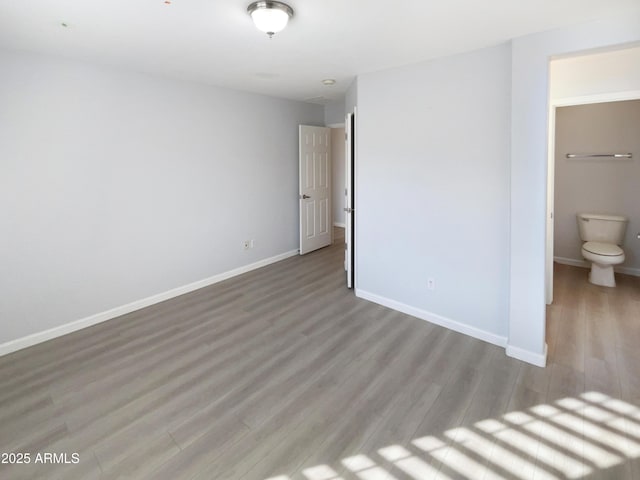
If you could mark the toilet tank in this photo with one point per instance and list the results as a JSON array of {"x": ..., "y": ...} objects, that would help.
[{"x": 601, "y": 228}]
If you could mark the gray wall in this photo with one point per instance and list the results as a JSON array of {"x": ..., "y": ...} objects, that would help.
[
  {"x": 597, "y": 185},
  {"x": 334, "y": 113},
  {"x": 433, "y": 187},
  {"x": 115, "y": 186}
]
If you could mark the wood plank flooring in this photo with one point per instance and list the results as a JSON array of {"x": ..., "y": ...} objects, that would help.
[{"x": 283, "y": 374}]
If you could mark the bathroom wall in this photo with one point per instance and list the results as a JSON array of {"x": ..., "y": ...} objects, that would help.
[{"x": 601, "y": 185}]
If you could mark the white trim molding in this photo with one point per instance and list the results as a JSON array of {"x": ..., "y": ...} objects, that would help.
[
  {"x": 434, "y": 318},
  {"x": 39, "y": 337},
  {"x": 537, "y": 359},
  {"x": 584, "y": 264},
  {"x": 595, "y": 98}
]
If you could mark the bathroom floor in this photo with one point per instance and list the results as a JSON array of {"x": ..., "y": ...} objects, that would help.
[{"x": 595, "y": 331}]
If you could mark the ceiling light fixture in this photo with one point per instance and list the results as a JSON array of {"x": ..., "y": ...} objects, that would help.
[
  {"x": 269, "y": 16},
  {"x": 328, "y": 81}
]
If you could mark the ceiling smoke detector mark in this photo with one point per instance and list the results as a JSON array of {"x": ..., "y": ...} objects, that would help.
[
  {"x": 318, "y": 100},
  {"x": 328, "y": 82},
  {"x": 267, "y": 76}
]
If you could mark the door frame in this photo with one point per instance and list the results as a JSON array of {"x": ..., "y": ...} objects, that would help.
[{"x": 350, "y": 204}]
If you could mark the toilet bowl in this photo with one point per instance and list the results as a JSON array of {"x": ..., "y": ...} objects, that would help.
[
  {"x": 603, "y": 257},
  {"x": 602, "y": 235}
]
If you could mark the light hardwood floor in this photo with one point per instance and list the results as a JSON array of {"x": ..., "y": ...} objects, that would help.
[{"x": 283, "y": 374}]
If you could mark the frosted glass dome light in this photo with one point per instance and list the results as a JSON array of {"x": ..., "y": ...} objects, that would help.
[{"x": 269, "y": 16}]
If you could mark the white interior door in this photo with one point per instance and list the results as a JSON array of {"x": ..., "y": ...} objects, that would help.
[
  {"x": 349, "y": 199},
  {"x": 316, "y": 219}
]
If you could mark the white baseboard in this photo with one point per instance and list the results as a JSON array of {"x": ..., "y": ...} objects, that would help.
[
  {"x": 584, "y": 264},
  {"x": 434, "y": 318},
  {"x": 45, "y": 335},
  {"x": 338, "y": 224},
  {"x": 537, "y": 359},
  {"x": 572, "y": 261}
]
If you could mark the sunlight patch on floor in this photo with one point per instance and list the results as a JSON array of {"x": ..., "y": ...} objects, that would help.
[
  {"x": 407, "y": 462},
  {"x": 320, "y": 472},
  {"x": 503, "y": 458},
  {"x": 570, "y": 438},
  {"x": 366, "y": 469}
]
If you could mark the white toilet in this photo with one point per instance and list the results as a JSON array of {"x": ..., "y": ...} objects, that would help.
[{"x": 602, "y": 235}]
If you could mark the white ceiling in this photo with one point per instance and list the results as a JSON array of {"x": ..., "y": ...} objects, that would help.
[{"x": 214, "y": 41}]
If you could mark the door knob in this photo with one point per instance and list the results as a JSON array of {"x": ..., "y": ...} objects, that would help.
[{"x": 304, "y": 197}]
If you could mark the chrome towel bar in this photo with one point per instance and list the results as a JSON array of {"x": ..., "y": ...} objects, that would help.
[{"x": 599, "y": 155}]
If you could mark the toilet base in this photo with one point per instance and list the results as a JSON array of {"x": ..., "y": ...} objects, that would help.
[{"x": 602, "y": 275}]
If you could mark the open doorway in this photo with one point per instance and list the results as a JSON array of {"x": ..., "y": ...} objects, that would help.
[
  {"x": 594, "y": 168},
  {"x": 581, "y": 80},
  {"x": 343, "y": 151},
  {"x": 326, "y": 167}
]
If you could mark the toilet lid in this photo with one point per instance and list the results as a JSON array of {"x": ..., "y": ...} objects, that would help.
[{"x": 607, "y": 249}]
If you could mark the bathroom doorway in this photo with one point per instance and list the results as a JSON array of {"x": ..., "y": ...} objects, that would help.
[
  {"x": 591, "y": 329},
  {"x": 583, "y": 81}
]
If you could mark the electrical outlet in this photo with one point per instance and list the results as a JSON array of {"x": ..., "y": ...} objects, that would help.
[
  {"x": 431, "y": 284},
  {"x": 246, "y": 244}
]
